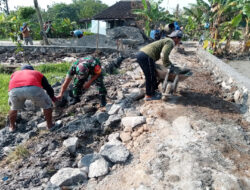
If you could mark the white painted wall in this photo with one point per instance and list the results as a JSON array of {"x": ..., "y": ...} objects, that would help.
[{"x": 102, "y": 27}]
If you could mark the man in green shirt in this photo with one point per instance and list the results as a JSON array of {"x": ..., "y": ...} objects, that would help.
[{"x": 151, "y": 53}]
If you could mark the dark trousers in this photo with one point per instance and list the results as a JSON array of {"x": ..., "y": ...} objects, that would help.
[
  {"x": 78, "y": 86},
  {"x": 147, "y": 65}
]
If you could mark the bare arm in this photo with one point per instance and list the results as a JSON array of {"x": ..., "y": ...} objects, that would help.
[
  {"x": 64, "y": 87},
  {"x": 93, "y": 78}
]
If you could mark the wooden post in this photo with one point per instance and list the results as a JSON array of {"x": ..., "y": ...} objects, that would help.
[{"x": 97, "y": 39}]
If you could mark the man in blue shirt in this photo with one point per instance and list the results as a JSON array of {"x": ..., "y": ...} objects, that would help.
[{"x": 77, "y": 33}]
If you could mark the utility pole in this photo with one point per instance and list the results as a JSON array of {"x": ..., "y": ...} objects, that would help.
[{"x": 45, "y": 39}]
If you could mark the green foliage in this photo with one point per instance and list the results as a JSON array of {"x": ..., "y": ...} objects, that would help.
[
  {"x": 25, "y": 13},
  {"x": 64, "y": 18},
  {"x": 52, "y": 68},
  {"x": 4, "y": 82},
  {"x": 152, "y": 13},
  {"x": 87, "y": 33},
  {"x": 88, "y": 8},
  {"x": 60, "y": 11}
]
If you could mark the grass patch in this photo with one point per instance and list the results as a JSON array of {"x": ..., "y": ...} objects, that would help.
[
  {"x": 4, "y": 107},
  {"x": 20, "y": 152},
  {"x": 53, "y": 72}
]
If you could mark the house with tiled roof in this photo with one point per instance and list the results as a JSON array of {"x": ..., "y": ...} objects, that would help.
[{"x": 120, "y": 14}]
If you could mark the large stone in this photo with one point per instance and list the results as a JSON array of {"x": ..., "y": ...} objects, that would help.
[
  {"x": 114, "y": 109},
  {"x": 131, "y": 112},
  {"x": 115, "y": 153},
  {"x": 130, "y": 35},
  {"x": 71, "y": 144},
  {"x": 68, "y": 177},
  {"x": 98, "y": 168},
  {"x": 102, "y": 117},
  {"x": 88, "y": 159},
  {"x": 125, "y": 136},
  {"x": 69, "y": 59},
  {"x": 113, "y": 121},
  {"x": 42, "y": 126},
  {"x": 114, "y": 137},
  {"x": 132, "y": 122},
  {"x": 135, "y": 94}
]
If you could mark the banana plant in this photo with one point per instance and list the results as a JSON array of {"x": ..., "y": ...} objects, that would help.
[
  {"x": 246, "y": 15},
  {"x": 229, "y": 28},
  {"x": 152, "y": 13}
]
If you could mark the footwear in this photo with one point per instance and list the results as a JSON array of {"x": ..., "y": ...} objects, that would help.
[
  {"x": 73, "y": 101},
  {"x": 12, "y": 129},
  {"x": 103, "y": 101},
  {"x": 158, "y": 94},
  {"x": 55, "y": 126},
  {"x": 154, "y": 97}
]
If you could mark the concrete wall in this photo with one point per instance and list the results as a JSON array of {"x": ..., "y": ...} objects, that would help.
[{"x": 230, "y": 79}]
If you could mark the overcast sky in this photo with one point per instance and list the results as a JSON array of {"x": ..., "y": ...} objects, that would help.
[{"x": 169, "y": 4}]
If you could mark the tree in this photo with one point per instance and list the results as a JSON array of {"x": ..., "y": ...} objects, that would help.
[
  {"x": 88, "y": 8},
  {"x": 61, "y": 11},
  {"x": 4, "y": 6},
  {"x": 45, "y": 39},
  {"x": 152, "y": 13}
]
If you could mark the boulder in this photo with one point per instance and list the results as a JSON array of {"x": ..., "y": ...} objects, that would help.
[
  {"x": 114, "y": 109},
  {"x": 71, "y": 144},
  {"x": 101, "y": 117},
  {"x": 132, "y": 122},
  {"x": 115, "y": 153},
  {"x": 113, "y": 121},
  {"x": 88, "y": 159},
  {"x": 135, "y": 94},
  {"x": 114, "y": 137},
  {"x": 130, "y": 35},
  {"x": 98, "y": 168},
  {"x": 42, "y": 126},
  {"x": 68, "y": 177},
  {"x": 125, "y": 136}
]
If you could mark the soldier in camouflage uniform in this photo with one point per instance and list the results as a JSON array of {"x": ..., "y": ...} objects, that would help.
[
  {"x": 82, "y": 69},
  {"x": 151, "y": 53}
]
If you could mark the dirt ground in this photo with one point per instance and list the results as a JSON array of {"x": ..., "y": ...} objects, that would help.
[
  {"x": 197, "y": 98},
  {"x": 195, "y": 139}
]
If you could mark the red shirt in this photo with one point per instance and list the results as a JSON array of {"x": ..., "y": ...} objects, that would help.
[{"x": 25, "y": 78}]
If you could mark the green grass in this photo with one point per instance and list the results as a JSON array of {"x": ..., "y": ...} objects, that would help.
[
  {"x": 20, "y": 152},
  {"x": 4, "y": 82},
  {"x": 53, "y": 72}
]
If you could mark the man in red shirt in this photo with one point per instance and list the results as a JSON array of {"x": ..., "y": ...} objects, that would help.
[{"x": 28, "y": 84}]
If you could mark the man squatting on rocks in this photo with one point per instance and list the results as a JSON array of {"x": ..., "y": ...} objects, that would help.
[
  {"x": 150, "y": 53},
  {"x": 81, "y": 69},
  {"x": 28, "y": 84}
]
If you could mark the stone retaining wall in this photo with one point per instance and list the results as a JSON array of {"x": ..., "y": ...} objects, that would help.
[
  {"x": 230, "y": 80},
  {"x": 45, "y": 53},
  {"x": 55, "y": 49}
]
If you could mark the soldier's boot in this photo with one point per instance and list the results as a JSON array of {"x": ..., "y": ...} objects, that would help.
[{"x": 103, "y": 101}]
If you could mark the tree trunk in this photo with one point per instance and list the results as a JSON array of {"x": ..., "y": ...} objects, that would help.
[
  {"x": 7, "y": 7},
  {"x": 45, "y": 39},
  {"x": 246, "y": 37},
  {"x": 227, "y": 46}
]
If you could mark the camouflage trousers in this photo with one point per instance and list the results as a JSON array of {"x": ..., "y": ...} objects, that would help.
[{"x": 78, "y": 86}]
